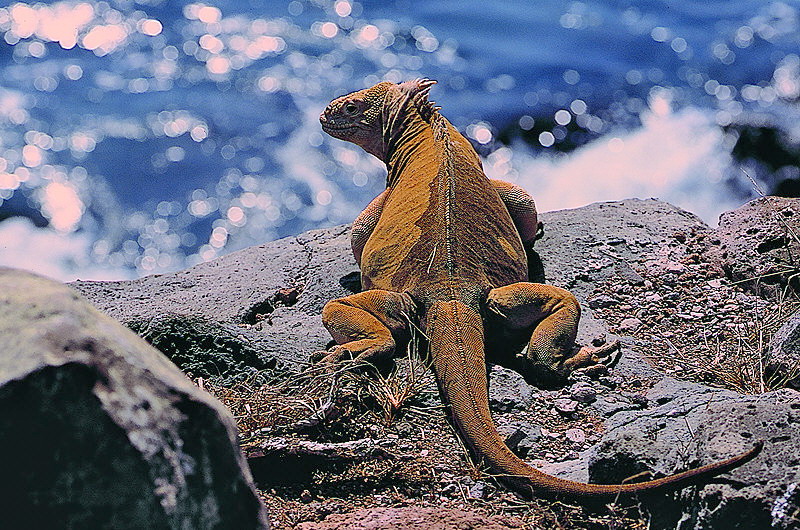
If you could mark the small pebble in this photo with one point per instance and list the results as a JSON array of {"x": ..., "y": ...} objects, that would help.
[
  {"x": 305, "y": 496},
  {"x": 602, "y": 301},
  {"x": 566, "y": 405},
  {"x": 582, "y": 393},
  {"x": 630, "y": 324},
  {"x": 576, "y": 435},
  {"x": 478, "y": 491}
]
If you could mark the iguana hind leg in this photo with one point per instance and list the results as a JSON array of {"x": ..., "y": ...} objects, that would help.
[
  {"x": 550, "y": 316},
  {"x": 367, "y": 326}
]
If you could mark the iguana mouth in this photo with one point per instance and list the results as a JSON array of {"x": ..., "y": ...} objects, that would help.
[{"x": 331, "y": 126}]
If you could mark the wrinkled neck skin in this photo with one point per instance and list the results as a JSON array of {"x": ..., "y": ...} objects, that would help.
[{"x": 403, "y": 133}]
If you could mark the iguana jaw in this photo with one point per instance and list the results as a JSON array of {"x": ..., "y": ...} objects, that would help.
[
  {"x": 355, "y": 132},
  {"x": 334, "y": 129}
]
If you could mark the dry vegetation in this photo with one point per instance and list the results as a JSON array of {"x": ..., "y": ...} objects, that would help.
[{"x": 413, "y": 457}]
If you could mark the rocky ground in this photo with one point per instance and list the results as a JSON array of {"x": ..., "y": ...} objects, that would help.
[{"x": 699, "y": 380}]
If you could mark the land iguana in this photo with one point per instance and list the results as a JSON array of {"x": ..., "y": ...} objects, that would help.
[{"x": 443, "y": 249}]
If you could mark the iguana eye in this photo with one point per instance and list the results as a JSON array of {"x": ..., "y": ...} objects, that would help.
[{"x": 350, "y": 108}]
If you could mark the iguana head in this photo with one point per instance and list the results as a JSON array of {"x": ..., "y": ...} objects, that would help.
[{"x": 369, "y": 117}]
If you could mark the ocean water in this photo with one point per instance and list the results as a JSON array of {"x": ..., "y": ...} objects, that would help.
[{"x": 139, "y": 137}]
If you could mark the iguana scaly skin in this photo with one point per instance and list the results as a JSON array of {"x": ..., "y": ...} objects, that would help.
[{"x": 443, "y": 248}]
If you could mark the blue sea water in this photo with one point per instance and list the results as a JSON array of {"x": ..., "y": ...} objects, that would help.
[{"x": 145, "y": 136}]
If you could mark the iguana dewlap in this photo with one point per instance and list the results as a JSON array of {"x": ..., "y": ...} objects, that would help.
[{"x": 443, "y": 249}]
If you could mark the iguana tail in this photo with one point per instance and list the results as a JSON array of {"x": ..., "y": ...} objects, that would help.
[{"x": 457, "y": 350}]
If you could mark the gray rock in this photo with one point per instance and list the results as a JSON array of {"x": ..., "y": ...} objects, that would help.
[
  {"x": 521, "y": 437},
  {"x": 230, "y": 317},
  {"x": 566, "y": 406},
  {"x": 575, "y": 435},
  {"x": 782, "y": 363},
  {"x": 630, "y": 324},
  {"x": 690, "y": 425},
  {"x": 99, "y": 430},
  {"x": 583, "y": 393},
  {"x": 754, "y": 244},
  {"x": 612, "y": 403},
  {"x": 609, "y": 235},
  {"x": 601, "y": 301},
  {"x": 508, "y": 390}
]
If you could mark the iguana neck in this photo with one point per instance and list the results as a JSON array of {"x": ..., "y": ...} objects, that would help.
[{"x": 405, "y": 132}]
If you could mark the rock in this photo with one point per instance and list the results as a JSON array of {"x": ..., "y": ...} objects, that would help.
[
  {"x": 755, "y": 243},
  {"x": 628, "y": 230},
  {"x": 601, "y": 301},
  {"x": 630, "y": 325},
  {"x": 575, "y": 435},
  {"x": 100, "y": 430},
  {"x": 609, "y": 404},
  {"x": 521, "y": 437},
  {"x": 413, "y": 518},
  {"x": 477, "y": 490},
  {"x": 508, "y": 390},
  {"x": 583, "y": 393},
  {"x": 691, "y": 425},
  {"x": 231, "y": 317},
  {"x": 566, "y": 406},
  {"x": 782, "y": 363}
]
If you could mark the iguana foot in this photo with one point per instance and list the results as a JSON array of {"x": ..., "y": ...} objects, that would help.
[
  {"x": 333, "y": 356},
  {"x": 606, "y": 355}
]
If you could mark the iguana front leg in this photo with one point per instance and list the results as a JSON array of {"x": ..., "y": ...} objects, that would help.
[
  {"x": 550, "y": 315},
  {"x": 522, "y": 209},
  {"x": 367, "y": 326},
  {"x": 365, "y": 223}
]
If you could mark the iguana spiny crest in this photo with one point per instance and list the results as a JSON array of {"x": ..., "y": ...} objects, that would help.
[{"x": 375, "y": 117}]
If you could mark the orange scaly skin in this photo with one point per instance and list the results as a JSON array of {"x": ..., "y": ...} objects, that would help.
[{"x": 443, "y": 248}]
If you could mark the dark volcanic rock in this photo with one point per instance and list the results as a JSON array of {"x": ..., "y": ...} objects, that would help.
[
  {"x": 99, "y": 430},
  {"x": 759, "y": 244},
  {"x": 689, "y": 425},
  {"x": 508, "y": 390}
]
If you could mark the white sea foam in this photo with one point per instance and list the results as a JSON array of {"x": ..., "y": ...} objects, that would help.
[
  {"x": 679, "y": 157},
  {"x": 57, "y": 255}
]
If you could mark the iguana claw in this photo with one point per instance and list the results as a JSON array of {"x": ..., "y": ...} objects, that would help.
[{"x": 606, "y": 355}]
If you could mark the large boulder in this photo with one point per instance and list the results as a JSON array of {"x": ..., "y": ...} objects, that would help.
[
  {"x": 686, "y": 424},
  {"x": 100, "y": 430}
]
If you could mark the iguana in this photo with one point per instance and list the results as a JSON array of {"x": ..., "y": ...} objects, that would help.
[{"x": 443, "y": 248}]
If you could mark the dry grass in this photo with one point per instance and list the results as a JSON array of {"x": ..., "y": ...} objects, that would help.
[{"x": 324, "y": 398}]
